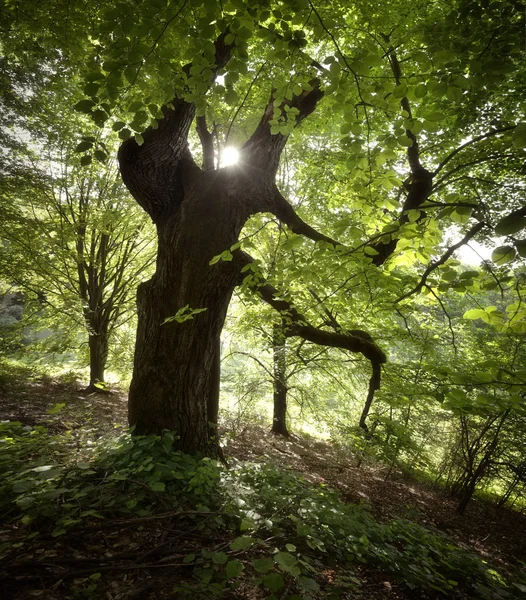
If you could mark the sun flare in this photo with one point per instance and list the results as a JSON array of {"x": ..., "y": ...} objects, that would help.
[{"x": 230, "y": 156}]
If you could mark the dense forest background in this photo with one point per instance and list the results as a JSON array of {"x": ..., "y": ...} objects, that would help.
[{"x": 313, "y": 216}]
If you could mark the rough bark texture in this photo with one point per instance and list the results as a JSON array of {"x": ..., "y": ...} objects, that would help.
[{"x": 175, "y": 381}]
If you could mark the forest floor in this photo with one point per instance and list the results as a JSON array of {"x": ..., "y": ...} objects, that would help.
[{"x": 497, "y": 535}]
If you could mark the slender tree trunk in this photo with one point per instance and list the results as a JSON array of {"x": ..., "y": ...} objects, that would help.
[
  {"x": 374, "y": 384},
  {"x": 279, "y": 347},
  {"x": 98, "y": 356}
]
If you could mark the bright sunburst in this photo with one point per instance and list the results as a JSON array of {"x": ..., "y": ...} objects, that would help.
[{"x": 230, "y": 156}]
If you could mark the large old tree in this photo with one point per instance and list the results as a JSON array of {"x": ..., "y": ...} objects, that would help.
[
  {"x": 199, "y": 212},
  {"x": 410, "y": 111}
]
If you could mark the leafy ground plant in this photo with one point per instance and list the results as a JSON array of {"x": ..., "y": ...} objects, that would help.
[{"x": 82, "y": 517}]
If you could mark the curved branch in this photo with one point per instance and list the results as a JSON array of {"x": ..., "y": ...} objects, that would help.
[
  {"x": 434, "y": 265},
  {"x": 354, "y": 340},
  {"x": 479, "y": 138},
  {"x": 283, "y": 210},
  {"x": 374, "y": 384}
]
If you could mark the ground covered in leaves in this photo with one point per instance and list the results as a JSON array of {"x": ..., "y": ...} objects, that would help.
[{"x": 89, "y": 513}]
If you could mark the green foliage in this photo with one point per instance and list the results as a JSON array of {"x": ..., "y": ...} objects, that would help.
[
  {"x": 46, "y": 485},
  {"x": 288, "y": 531}
]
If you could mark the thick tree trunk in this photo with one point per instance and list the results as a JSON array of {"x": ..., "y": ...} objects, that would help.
[
  {"x": 176, "y": 367},
  {"x": 279, "y": 421},
  {"x": 98, "y": 356},
  {"x": 199, "y": 214}
]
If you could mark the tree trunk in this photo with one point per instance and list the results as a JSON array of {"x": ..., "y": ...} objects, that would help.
[
  {"x": 279, "y": 421},
  {"x": 98, "y": 356},
  {"x": 175, "y": 382},
  {"x": 199, "y": 215}
]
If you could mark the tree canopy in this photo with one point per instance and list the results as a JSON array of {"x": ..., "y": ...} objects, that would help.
[{"x": 375, "y": 143}]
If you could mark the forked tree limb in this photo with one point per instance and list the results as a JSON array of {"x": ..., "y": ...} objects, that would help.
[
  {"x": 263, "y": 149},
  {"x": 151, "y": 171}
]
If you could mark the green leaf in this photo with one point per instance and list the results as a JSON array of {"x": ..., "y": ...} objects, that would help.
[
  {"x": 308, "y": 584},
  {"x": 263, "y": 565},
  {"x": 84, "y": 106},
  {"x": 242, "y": 543},
  {"x": 56, "y": 409},
  {"x": 420, "y": 90},
  {"x": 234, "y": 569},
  {"x": 475, "y": 313},
  {"x": 520, "y": 246},
  {"x": 125, "y": 134},
  {"x": 285, "y": 560},
  {"x": 503, "y": 255},
  {"x": 510, "y": 225},
  {"x": 519, "y": 136},
  {"x": 23, "y": 486},
  {"x": 219, "y": 558},
  {"x": 158, "y": 486},
  {"x": 91, "y": 89},
  {"x": 273, "y": 582},
  {"x": 118, "y": 125},
  {"x": 231, "y": 97}
]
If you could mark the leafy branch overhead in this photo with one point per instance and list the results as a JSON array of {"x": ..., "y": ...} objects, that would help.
[{"x": 388, "y": 138}]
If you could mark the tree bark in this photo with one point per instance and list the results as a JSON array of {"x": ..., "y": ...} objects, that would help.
[
  {"x": 279, "y": 348},
  {"x": 175, "y": 383},
  {"x": 199, "y": 215},
  {"x": 98, "y": 356}
]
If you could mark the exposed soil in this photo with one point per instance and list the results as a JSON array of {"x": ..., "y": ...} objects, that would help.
[{"x": 498, "y": 535}]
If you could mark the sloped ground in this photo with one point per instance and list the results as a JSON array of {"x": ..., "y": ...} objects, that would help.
[{"x": 497, "y": 535}]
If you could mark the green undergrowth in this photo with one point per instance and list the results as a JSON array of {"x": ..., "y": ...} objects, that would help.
[{"x": 261, "y": 530}]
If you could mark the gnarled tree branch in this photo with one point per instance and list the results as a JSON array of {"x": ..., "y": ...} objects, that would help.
[
  {"x": 354, "y": 340},
  {"x": 263, "y": 150},
  {"x": 151, "y": 171}
]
